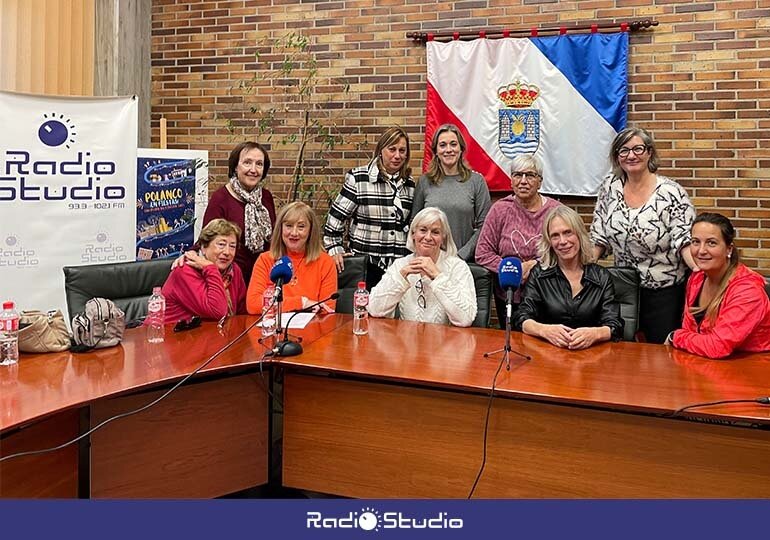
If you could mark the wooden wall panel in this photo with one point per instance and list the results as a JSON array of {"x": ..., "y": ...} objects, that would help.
[
  {"x": 47, "y": 46},
  {"x": 371, "y": 440},
  {"x": 204, "y": 440},
  {"x": 55, "y": 473},
  {"x": 122, "y": 54}
]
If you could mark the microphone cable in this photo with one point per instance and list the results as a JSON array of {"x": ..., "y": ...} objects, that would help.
[
  {"x": 486, "y": 429},
  {"x": 285, "y": 330},
  {"x": 285, "y": 347},
  {"x": 764, "y": 400},
  {"x": 143, "y": 407}
]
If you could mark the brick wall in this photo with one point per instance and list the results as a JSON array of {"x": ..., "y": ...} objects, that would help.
[{"x": 699, "y": 81}]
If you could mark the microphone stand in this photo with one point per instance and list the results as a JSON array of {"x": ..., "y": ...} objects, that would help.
[
  {"x": 286, "y": 347},
  {"x": 506, "y": 350},
  {"x": 279, "y": 305}
]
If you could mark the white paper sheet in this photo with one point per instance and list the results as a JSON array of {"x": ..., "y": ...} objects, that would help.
[{"x": 300, "y": 321}]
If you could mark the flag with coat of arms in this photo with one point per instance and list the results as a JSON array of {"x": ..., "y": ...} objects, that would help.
[{"x": 562, "y": 98}]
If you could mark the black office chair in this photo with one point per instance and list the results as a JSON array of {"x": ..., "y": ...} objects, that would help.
[
  {"x": 347, "y": 281},
  {"x": 626, "y": 282},
  {"x": 128, "y": 284},
  {"x": 482, "y": 280}
]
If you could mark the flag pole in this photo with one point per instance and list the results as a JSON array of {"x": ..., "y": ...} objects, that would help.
[{"x": 497, "y": 33}]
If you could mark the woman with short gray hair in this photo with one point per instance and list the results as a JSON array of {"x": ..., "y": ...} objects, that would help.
[
  {"x": 432, "y": 284},
  {"x": 514, "y": 225}
]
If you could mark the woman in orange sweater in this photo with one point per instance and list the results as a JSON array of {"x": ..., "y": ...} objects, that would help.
[{"x": 297, "y": 234}]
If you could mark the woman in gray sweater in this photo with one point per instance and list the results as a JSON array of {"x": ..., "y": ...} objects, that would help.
[{"x": 451, "y": 186}]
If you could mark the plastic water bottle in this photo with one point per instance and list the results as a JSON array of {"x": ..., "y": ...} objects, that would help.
[
  {"x": 268, "y": 312},
  {"x": 360, "y": 311},
  {"x": 156, "y": 317},
  {"x": 9, "y": 335}
]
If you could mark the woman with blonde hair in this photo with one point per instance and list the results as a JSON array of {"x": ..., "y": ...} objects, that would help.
[
  {"x": 727, "y": 308},
  {"x": 454, "y": 188},
  {"x": 297, "y": 235},
  {"x": 568, "y": 300},
  {"x": 375, "y": 203},
  {"x": 432, "y": 284}
]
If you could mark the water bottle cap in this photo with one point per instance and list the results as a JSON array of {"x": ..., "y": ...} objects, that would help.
[
  {"x": 362, "y": 284},
  {"x": 7, "y": 305}
]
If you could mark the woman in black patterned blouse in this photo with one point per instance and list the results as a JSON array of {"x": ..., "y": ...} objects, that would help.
[{"x": 645, "y": 219}]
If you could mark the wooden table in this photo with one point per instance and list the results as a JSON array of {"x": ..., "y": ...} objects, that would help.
[
  {"x": 209, "y": 438},
  {"x": 397, "y": 413},
  {"x": 400, "y": 413}
]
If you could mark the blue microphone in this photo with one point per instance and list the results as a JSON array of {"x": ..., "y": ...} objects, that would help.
[
  {"x": 281, "y": 273},
  {"x": 509, "y": 272}
]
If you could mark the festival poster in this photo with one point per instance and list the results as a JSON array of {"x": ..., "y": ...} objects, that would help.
[{"x": 171, "y": 197}]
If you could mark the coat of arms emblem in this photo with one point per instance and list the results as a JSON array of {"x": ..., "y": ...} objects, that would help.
[{"x": 518, "y": 122}]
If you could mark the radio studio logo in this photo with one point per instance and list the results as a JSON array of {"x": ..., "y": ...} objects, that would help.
[
  {"x": 510, "y": 269},
  {"x": 101, "y": 250},
  {"x": 56, "y": 131},
  {"x": 370, "y": 519},
  {"x": 13, "y": 253},
  {"x": 75, "y": 176}
]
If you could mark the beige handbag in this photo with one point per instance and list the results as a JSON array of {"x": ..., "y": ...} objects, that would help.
[{"x": 41, "y": 332}]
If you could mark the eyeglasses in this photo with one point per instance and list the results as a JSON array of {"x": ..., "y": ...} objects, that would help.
[
  {"x": 183, "y": 325},
  {"x": 638, "y": 150},
  {"x": 420, "y": 293},
  {"x": 518, "y": 175}
]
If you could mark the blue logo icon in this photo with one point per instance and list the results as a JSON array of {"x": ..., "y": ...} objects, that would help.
[{"x": 55, "y": 132}]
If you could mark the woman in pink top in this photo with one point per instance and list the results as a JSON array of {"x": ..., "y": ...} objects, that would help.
[
  {"x": 514, "y": 225},
  {"x": 727, "y": 307},
  {"x": 208, "y": 284}
]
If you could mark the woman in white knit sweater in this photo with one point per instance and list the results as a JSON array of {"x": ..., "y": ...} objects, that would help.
[{"x": 432, "y": 284}]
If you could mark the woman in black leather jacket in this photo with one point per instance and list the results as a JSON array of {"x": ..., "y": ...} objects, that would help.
[{"x": 568, "y": 300}]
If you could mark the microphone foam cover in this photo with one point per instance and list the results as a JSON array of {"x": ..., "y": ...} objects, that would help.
[
  {"x": 283, "y": 270},
  {"x": 509, "y": 272}
]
